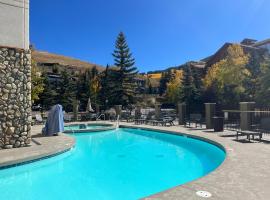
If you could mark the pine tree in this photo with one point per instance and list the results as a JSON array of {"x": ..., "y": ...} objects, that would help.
[
  {"x": 123, "y": 89},
  {"x": 188, "y": 90},
  {"x": 83, "y": 89},
  {"x": 49, "y": 95},
  {"x": 66, "y": 91}
]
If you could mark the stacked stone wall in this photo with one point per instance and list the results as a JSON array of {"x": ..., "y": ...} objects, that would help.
[{"x": 15, "y": 97}]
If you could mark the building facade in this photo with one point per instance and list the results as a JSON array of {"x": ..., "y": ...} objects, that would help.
[{"x": 15, "y": 74}]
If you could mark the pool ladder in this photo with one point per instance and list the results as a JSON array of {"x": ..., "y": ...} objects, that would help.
[{"x": 99, "y": 117}]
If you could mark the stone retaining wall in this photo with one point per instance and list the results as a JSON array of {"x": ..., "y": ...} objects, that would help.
[{"x": 15, "y": 97}]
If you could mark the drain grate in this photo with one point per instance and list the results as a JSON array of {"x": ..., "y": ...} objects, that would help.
[{"x": 204, "y": 194}]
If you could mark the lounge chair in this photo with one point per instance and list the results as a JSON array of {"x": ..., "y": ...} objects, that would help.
[
  {"x": 194, "y": 118},
  {"x": 249, "y": 133},
  {"x": 168, "y": 121}
]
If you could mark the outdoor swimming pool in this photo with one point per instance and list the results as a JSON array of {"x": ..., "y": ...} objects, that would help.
[{"x": 116, "y": 164}]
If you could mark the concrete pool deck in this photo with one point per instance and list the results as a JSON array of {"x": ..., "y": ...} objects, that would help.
[
  {"x": 244, "y": 175},
  {"x": 40, "y": 147}
]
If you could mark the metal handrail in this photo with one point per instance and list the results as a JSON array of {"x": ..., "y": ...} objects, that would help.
[{"x": 99, "y": 117}]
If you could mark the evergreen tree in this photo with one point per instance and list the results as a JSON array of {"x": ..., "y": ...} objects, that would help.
[
  {"x": 83, "y": 89},
  {"x": 104, "y": 94},
  {"x": 123, "y": 87},
  {"x": 188, "y": 91},
  {"x": 49, "y": 95},
  {"x": 67, "y": 91}
]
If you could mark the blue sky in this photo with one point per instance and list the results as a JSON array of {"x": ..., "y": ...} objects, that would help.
[{"x": 160, "y": 33}]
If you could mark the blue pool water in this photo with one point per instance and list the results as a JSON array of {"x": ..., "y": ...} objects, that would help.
[{"x": 119, "y": 164}]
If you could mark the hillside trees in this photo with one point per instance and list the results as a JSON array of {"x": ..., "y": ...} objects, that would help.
[
  {"x": 263, "y": 93},
  {"x": 104, "y": 93},
  {"x": 227, "y": 77},
  {"x": 165, "y": 78},
  {"x": 66, "y": 91},
  {"x": 88, "y": 86},
  {"x": 49, "y": 95},
  {"x": 174, "y": 86},
  {"x": 188, "y": 92}
]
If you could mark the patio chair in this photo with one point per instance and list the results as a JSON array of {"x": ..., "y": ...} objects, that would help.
[{"x": 194, "y": 118}]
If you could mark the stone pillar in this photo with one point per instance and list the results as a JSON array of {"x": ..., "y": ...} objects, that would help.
[
  {"x": 15, "y": 97},
  {"x": 210, "y": 110},
  {"x": 138, "y": 111},
  {"x": 181, "y": 113},
  {"x": 157, "y": 111},
  {"x": 246, "y": 117},
  {"x": 118, "y": 110},
  {"x": 75, "y": 109}
]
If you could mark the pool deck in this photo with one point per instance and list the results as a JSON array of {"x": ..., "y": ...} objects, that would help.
[
  {"x": 244, "y": 175},
  {"x": 40, "y": 147}
]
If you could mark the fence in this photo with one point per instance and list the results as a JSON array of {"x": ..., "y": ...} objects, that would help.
[{"x": 259, "y": 119}]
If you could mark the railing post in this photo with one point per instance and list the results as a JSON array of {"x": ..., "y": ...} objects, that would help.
[
  {"x": 157, "y": 111},
  {"x": 246, "y": 117},
  {"x": 210, "y": 110},
  {"x": 181, "y": 113}
]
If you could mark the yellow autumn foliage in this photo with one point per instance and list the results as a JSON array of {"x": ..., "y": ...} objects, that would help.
[
  {"x": 229, "y": 71},
  {"x": 173, "y": 86}
]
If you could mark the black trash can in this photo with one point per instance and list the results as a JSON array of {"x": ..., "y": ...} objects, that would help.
[{"x": 218, "y": 124}]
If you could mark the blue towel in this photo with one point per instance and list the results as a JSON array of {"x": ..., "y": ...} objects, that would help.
[{"x": 55, "y": 121}]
